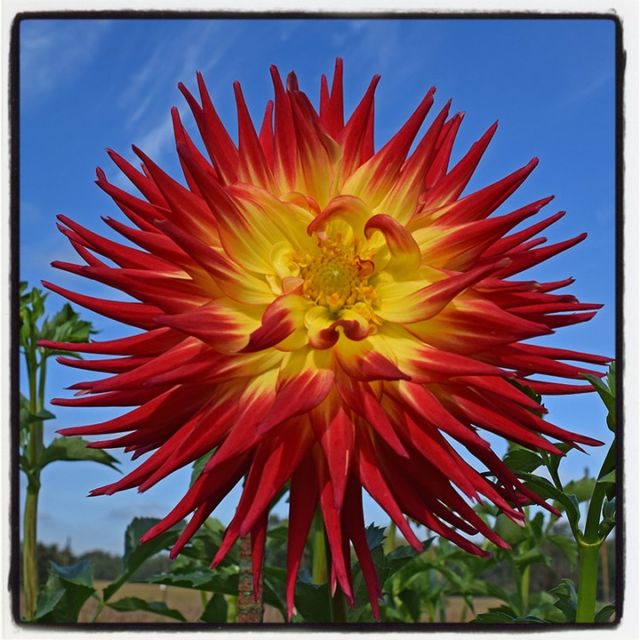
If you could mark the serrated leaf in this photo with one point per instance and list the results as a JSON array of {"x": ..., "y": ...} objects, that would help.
[
  {"x": 47, "y": 601},
  {"x": 27, "y": 416},
  {"x": 135, "y": 553},
  {"x": 500, "y": 615},
  {"x": 222, "y": 579},
  {"x": 66, "y": 591},
  {"x": 397, "y": 560},
  {"x": 75, "y": 449},
  {"x": 216, "y": 609},
  {"x": 132, "y": 603},
  {"x": 375, "y": 536},
  {"x": 566, "y": 598},
  {"x": 523, "y": 460}
]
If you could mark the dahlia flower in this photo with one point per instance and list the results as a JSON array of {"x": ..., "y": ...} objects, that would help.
[{"x": 328, "y": 318}]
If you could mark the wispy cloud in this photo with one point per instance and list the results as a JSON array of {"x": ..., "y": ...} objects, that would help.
[
  {"x": 53, "y": 53},
  {"x": 156, "y": 141},
  {"x": 152, "y": 89},
  {"x": 588, "y": 89}
]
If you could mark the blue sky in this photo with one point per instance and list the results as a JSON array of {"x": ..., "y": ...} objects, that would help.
[{"x": 88, "y": 85}]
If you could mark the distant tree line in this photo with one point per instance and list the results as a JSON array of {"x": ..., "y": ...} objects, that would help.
[{"x": 106, "y": 566}]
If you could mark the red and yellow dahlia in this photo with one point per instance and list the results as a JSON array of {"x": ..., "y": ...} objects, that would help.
[{"x": 326, "y": 315}]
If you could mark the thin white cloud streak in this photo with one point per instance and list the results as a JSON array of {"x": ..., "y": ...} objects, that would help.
[
  {"x": 589, "y": 89},
  {"x": 53, "y": 53},
  {"x": 153, "y": 87}
]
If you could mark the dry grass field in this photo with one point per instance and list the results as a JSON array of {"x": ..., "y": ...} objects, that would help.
[{"x": 188, "y": 602}]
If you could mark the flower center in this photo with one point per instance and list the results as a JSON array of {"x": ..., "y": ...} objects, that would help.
[{"x": 337, "y": 277}]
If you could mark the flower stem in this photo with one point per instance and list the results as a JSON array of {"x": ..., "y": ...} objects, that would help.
[
  {"x": 29, "y": 563},
  {"x": 524, "y": 588},
  {"x": 30, "y": 515},
  {"x": 587, "y": 581},
  {"x": 319, "y": 552}
]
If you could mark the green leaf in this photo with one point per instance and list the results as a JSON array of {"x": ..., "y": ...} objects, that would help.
[
  {"x": 532, "y": 556},
  {"x": 199, "y": 465},
  {"x": 313, "y": 603},
  {"x": 375, "y": 536},
  {"x": 501, "y": 615},
  {"x": 47, "y": 601},
  {"x": 548, "y": 491},
  {"x": 399, "y": 558},
  {"x": 582, "y": 489},
  {"x": 609, "y": 518},
  {"x": 509, "y": 531},
  {"x": 66, "y": 326},
  {"x": 604, "y": 614},
  {"x": 222, "y": 579},
  {"x": 607, "y": 393},
  {"x": 216, "y": 609},
  {"x": 528, "y": 391},
  {"x": 554, "y": 460},
  {"x": 27, "y": 416},
  {"x": 608, "y": 478},
  {"x": 133, "y": 603},
  {"x": 566, "y": 598},
  {"x": 523, "y": 460},
  {"x": 410, "y": 599},
  {"x": 135, "y": 553},
  {"x": 567, "y": 546},
  {"x": 278, "y": 534},
  {"x": 609, "y": 509},
  {"x": 74, "y": 449},
  {"x": 66, "y": 591}
]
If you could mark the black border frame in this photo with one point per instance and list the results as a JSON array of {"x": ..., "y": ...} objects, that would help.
[{"x": 14, "y": 148}]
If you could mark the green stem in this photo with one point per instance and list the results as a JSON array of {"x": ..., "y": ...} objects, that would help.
[
  {"x": 29, "y": 562},
  {"x": 558, "y": 484},
  {"x": 98, "y": 611},
  {"x": 524, "y": 588},
  {"x": 319, "y": 552},
  {"x": 587, "y": 581},
  {"x": 30, "y": 516}
]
